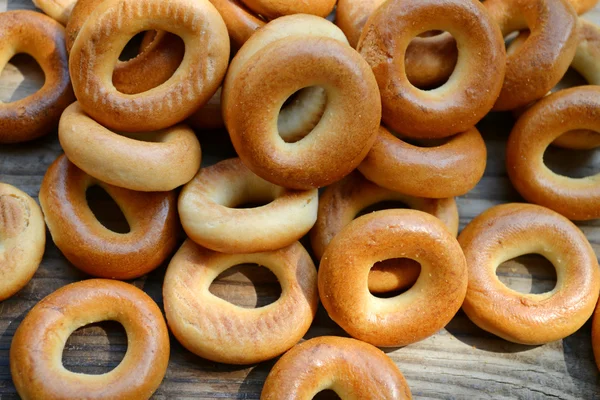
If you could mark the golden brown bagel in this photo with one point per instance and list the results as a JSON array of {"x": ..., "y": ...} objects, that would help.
[
  {"x": 300, "y": 53},
  {"x": 341, "y": 202},
  {"x": 149, "y": 162},
  {"x": 44, "y": 39},
  {"x": 446, "y": 170},
  {"x": 539, "y": 64},
  {"x": 220, "y": 331},
  {"x": 352, "y": 369},
  {"x": 60, "y": 10},
  {"x": 272, "y": 9},
  {"x": 474, "y": 86},
  {"x": 37, "y": 347},
  {"x": 508, "y": 231},
  {"x": 160, "y": 54},
  {"x": 22, "y": 239},
  {"x": 241, "y": 23},
  {"x": 209, "y": 217},
  {"x": 407, "y": 318},
  {"x": 596, "y": 335},
  {"x": 564, "y": 111},
  {"x": 91, "y": 247},
  {"x": 108, "y": 29}
]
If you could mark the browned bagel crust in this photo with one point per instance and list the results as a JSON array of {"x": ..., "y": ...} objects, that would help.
[
  {"x": 241, "y": 23},
  {"x": 220, "y": 331},
  {"x": 471, "y": 92},
  {"x": 341, "y": 202},
  {"x": 36, "y": 349},
  {"x": 272, "y": 9},
  {"x": 564, "y": 111},
  {"x": 158, "y": 59},
  {"x": 448, "y": 170},
  {"x": 596, "y": 335},
  {"x": 550, "y": 48},
  {"x": 510, "y": 230},
  {"x": 44, "y": 39},
  {"x": 88, "y": 244},
  {"x": 60, "y": 10},
  {"x": 341, "y": 139},
  {"x": 412, "y": 316},
  {"x": 106, "y": 31},
  {"x": 351, "y": 368}
]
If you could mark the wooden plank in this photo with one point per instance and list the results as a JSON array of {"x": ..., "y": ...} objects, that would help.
[{"x": 461, "y": 361}]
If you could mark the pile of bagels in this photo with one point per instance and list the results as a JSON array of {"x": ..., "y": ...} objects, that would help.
[{"x": 380, "y": 106}]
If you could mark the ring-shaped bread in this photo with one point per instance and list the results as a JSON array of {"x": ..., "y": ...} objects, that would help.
[
  {"x": 42, "y": 38},
  {"x": 92, "y": 247},
  {"x": 221, "y": 331},
  {"x": 37, "y": 347},
  {"x": 207, "y": 208},
  {"x": 106, "y": 32},
  {"x": 511, "y": 230},
  {"x": 411, "y": 316}
]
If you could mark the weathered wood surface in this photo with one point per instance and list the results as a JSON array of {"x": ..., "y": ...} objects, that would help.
[{"x": 459, "y": 362}]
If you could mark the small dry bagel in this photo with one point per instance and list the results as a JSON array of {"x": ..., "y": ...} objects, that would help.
[
  {"x": 560, "y": 112},
  {"x": 351, "y": 368},
  {"x": 37, "y": 347},
  {"x": 159, "y": 57},
  {"x": 446, "y": 170},
  {"x": 297, "y": 52},
  {"x": 596, "y": 335},
  {"x": 149, "y": 162},
  {"x": 44, "y": 39},
  {"x": 272, "y": 9},
  {"x": 241, "y": 22},
  {"x": 220, "y": 331},
  {"x": 22, "y": 239},
  {"x": 95, "y": 249},
  {"x": 209, "y": 217},
  {"x": 511, "y": 230},
  {"x": 341, "y": 202},
  {"x": 542, "y": 60},
  {"x": 60, "y": 10},
  {"x": 106, "y": 32},
  {"x": 412, "y": 316},
  {"x": 472, "y": 89}
]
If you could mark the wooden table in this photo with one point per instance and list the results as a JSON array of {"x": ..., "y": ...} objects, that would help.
[{"x": 459, "y": 362}]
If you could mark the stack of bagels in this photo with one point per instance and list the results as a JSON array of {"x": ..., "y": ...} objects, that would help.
[{"x": 380, "y": 106}]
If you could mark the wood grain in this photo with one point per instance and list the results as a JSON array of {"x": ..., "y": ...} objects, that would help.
[{"x": 459, "y": 362}]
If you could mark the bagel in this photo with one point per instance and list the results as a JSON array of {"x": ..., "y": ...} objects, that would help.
[
  {"x": 36, "y": 350},
  {"x": 149, "y": 162},
  {"x": 508, "y": 231},
  {"x": 564, "y": 111},
  {"x": 272, "y": 9},
  {"x": 412, "y": 316},
  {"x": 472, "y": 89},
  {"x": 209, "y": 217},
  {"x": 542, "y": 60},
  {"x": 341, "y": 202},
  {"x": 91, "y": 247},
  {"x": 105, "y": 34},
  {"x": 220, "y": 331},
  {"x": 22, "y": 239},
  {"x": 447, "y": 170},
  {"x": 241, "y": 23},
  {"x": 160, "y": 54},
  {"x": 596, "y": 335},
  {"x": 297, "y": 52},
  {"x": 44, "y": 39},
  {"x": 352, "y": 369},
  {"x": 60, "y": 10}
]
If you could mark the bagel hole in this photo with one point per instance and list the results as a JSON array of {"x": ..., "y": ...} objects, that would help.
[
  {"x": 132, "y": 48},
  {"x": 327, "y": 394},
  {"x": 382, "y": 205},
  {"x": 401, "y": 273},
  {"x": 528, "y": 274},
  {"x": 106, "y": 210},
  {"x": 20, "y": 78},
  {"x": 301, "y": 113},
  {"x": 247, "y": 286},
  {"x": 433, "y": 79},
  {"x": 572, "y": 163},
  {"x": 95, "y": 348}
]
